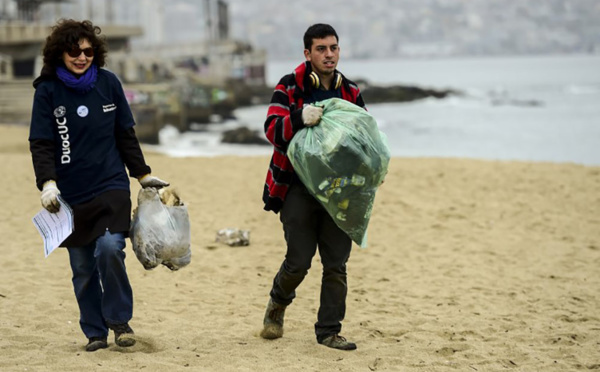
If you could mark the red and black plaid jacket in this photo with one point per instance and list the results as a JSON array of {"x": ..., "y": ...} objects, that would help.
[{"x": 284, "y": 119}]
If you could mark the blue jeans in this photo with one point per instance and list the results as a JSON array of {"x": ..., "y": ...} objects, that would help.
[{"x": 101, "y": 284}]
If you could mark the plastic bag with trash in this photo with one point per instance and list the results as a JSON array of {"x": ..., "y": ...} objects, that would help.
[
  {"x": 342, "y": 161},
  {"x": 233, "y": 237},
  {"x": 160, "y": 229}
]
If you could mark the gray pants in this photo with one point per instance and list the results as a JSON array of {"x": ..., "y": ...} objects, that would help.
[{"x": 307, "y": 225}]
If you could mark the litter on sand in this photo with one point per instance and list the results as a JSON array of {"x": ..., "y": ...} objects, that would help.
[{"x": 233, "y": 237}]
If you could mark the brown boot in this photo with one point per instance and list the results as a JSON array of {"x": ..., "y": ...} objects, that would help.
[
  {"x": 273, "y": 322},
  {"x": 124, "y": 336},
  {"x": 96, "y": 343},
  {"x": 338, "y": 342}
]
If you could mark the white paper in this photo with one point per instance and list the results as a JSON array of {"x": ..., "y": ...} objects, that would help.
[{"x": 54, "y": 227}]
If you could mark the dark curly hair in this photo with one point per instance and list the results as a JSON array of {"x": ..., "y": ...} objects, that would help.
[{"x": 65, "y": 35}]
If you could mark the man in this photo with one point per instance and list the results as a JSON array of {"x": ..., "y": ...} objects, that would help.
[{"x": 306, "y": 224}]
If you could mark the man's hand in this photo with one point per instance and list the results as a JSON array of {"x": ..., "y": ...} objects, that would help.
[
  {"x": 50, "y": 197},
  {"x": 311, "y": 115},
  {"x": 151, "y": 181}
]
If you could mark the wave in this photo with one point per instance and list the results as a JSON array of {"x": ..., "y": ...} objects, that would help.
[{"x": 583, "y": 89}]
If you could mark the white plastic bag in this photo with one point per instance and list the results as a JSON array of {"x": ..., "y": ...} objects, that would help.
[
  {"x": 233, "y": 237},
  {"x": 160, "y": 230}
]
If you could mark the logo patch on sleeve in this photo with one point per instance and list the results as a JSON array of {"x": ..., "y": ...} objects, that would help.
[
  {"x": 60, "y": 111},
  {"x": 108, "y": 108}
]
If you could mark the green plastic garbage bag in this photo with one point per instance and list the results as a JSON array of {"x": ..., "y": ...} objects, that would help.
[{"x": 342, "y": 161}]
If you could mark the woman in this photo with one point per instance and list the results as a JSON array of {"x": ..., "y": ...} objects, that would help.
[{"x": 81, "y": 138}]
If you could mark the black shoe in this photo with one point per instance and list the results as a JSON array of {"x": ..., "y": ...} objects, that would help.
[
  {"x": 124, "y": 336},
  {"x": 96, "y": 343},
  {"x": 338, "y": 342},
  {"x": 273, "y": 322}
]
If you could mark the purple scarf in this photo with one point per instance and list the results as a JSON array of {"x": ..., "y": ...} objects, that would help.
[{"x": 84, "y": 84}]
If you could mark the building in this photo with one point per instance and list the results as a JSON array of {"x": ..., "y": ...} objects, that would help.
[
  {"x": 139, "y": 48},
  {"x": 196, "y": 76},
  {"x": 23, "y": 31}
]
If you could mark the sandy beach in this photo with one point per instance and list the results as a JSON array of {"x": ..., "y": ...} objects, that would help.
[{"x": 471, "y": 266}]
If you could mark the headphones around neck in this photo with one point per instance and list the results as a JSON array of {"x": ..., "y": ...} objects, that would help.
[{"x": 316, "y": 81}]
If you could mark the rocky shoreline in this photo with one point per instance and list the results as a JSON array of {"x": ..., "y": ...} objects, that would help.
[
  {"x": 202, "y": 104},
  {"x": 401, "y": 93},
  {"x": 246, "y": 96},
  {"x": 252, "y": 95}
]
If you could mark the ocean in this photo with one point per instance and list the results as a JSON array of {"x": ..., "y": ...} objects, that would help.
[{"x": 525, "y": 108}]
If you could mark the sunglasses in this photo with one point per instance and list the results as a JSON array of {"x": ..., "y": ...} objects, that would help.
[{"x": 76, "y": 52}]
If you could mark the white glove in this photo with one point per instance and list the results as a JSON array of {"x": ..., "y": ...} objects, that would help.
[
  {"x": 311, "y": 115},
  {"x": 151, "y": 181},
  {"x": 50, "y": 197}
]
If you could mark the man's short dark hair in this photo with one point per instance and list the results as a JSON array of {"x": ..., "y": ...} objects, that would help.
[{"x": 318, "y": 31}]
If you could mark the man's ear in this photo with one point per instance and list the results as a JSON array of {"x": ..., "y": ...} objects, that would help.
[{"x": 307, "y": 54}]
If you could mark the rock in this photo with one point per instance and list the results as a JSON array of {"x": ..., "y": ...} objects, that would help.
[
  {"x": 248, "y": 95},
  {"x": 402, "y": 93},
  {"x": 243, "y": 135},
  {"x": 517, "y": 102}
]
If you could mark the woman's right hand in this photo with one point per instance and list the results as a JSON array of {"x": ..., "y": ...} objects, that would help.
[{"x": 50, "y": 196}]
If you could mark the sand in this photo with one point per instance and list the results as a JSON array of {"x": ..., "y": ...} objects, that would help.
[{"x": 471, "y": 266}]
